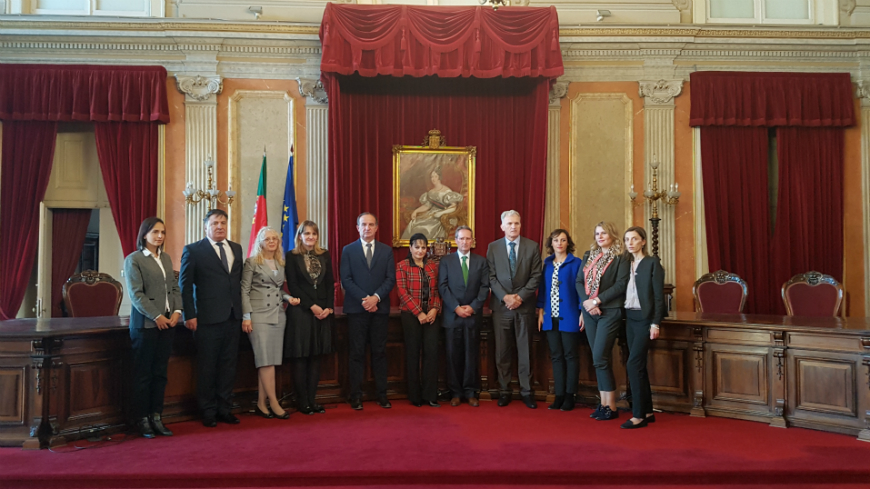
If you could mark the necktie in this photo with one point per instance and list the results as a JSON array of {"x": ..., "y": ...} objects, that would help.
[
  {"x": 369, "y": 254},
  {"x": 224, "y": 256},
  {"x": 465, "y": 269},
  {"x": 512, "y": 258}
]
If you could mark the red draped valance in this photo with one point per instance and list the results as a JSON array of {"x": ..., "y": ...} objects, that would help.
[
  {"x": 771, "y": 99},
  {"x": 83, "y": 93},
  {"x": 400, "y": 40}
]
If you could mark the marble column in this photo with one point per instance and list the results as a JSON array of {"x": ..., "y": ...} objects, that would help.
[
  {"x": 864, "y": 95},
  {"x": 200, "y": 141},
  {"x": 658, "y": 104},
  {"x": 552, "y": 216},
  {"x": 316, "y": 162}
]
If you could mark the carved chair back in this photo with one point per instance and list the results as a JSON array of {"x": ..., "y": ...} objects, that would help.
[
  {"x": 91, "y": 294},
  {"x": 720, "y": 292},
  {"x": 812, "y": 294}
]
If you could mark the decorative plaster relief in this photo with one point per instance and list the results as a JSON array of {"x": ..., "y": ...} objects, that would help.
[
  {"x": 313, "y": 89},
  {"x": 682, "y": 5},
  {"x": 847, "y": 6},
  {"x": 661, "y": 92},
  {"x": 558, "y": 92},
  {"x": 199, "y": 88}
]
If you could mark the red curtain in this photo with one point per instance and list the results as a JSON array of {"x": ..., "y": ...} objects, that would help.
[
  {"x": 736, "y": 209},
  {"x": 771, "y": 99},
  {"x": 809, "y": 217},
  {"x": 401, "y": 40},
  {"x": 83, "y": 93},
  {"x": 68, "y": 230},
  {"x": 128, "y": 160},
  {"x": 505, "y": 118},
  {"x": 28, "y": 149}
]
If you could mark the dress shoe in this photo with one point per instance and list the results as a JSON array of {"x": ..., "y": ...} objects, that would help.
[
  {"x": 306, "y": 410},
  {"x": 318, "y": 408},
  {"x": 557, "y": 403},
  {"x": 157, "y": 425},
  {"x": 504, "y": 400},
  {"x": 417, "y": 403},
  {"x": 607, "y": 414},
  {"x": 145, "y": 430},
  {"x": 227, "y": 418},
  {"x": 568, "y": 403},
  {"x": 268, "y": 414},
  {"x": 473, "y": 402},
  {"x": 285, "y": 415},
  {"x": 597, "y": 412},
  {"x": 651, "y": 418},
  {"x": 529, "y": 402},
  {"x": 209, "y": 422},
  {"x": 384, "y": 403},
  {"x": 433, "y": 404},
  {"x": 455, "y": 401},
  {"x": 356, "y": 404},
  {"x": 628, "y": 425}
]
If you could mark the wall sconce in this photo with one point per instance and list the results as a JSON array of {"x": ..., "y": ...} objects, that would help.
[
  {"x": 602, "y": 14},
  {"x": 653, "y": 195},
  {"x": 211, "y": 195}
]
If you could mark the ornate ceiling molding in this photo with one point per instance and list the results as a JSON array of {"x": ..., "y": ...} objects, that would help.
[
  {"x": 313, "y": 90},
  {"x": 199, "y": 88},
  {"x": 660, "y": 92},
  {"x": 558, "y": 92}
]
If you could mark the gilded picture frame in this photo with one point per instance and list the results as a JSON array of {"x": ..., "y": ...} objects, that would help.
[{"x": 433, "y": 190}]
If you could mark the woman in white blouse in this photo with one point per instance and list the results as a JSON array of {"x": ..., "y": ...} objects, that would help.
[{"x": 644, "y": 311}]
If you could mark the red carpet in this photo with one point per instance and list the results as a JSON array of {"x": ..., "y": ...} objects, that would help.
[{"x": 452, "y": 447}]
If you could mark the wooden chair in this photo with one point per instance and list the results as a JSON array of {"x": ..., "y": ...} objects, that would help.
[
  {"x": 91, "y": 294},
  {"x": 812, "y": 294},
  {"x": 720, "y": 292}
]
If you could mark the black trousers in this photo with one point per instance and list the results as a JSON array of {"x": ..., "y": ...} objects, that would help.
[
  {"x": 422, "y": 385},
  {"x": 563, "y": 355},
  {"x": 151, "y": 350},
  {"x": 463, "y": 360},
  {"x": 306, "y": 375},
  {"x": 602, "y": 332},
  {"x": 217, "y": 347},
  {"x": 637, "y": 335},
  {"x": 362, "y": 327}
]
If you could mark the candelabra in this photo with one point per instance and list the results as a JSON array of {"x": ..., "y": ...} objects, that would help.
[
  {"x": 211, "y": 195},
  {"x": 652, "y": 195}
]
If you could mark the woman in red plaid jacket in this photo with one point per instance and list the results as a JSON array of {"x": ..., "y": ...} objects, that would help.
[{"x": 417, "y": 285}]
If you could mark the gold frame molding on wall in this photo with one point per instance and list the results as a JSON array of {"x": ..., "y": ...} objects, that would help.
[
  {"x": 233, "y": 165},
  {"x": 629, "y": 149}
]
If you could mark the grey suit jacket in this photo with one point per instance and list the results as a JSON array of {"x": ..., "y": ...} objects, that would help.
[
  {"x": 454, "y": 292},
  {"x": 148, "y": 288},
  {"x": 525, "y": 282},
  {"x": 262, "y": 292}
]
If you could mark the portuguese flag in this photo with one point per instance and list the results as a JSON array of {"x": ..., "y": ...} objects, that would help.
[{"x": 260, "y": 220}]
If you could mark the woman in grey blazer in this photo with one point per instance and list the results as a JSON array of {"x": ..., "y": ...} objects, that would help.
[
  {"x": 644, "y": 311},
  {"x": 156, "y": 301},
  {"x": 263, "y": 320}
]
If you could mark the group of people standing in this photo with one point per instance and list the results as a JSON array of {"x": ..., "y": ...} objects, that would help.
[{"x": 615, "y": 285}]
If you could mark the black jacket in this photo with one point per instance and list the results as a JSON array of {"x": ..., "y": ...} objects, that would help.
[
  {"x": 611, "y": 290},
  {"x": 209, "y": 294},
  {"x": 650, "y": 282}
]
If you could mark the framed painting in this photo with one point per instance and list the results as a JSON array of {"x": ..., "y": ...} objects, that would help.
[{"x": 433, "y": 190}]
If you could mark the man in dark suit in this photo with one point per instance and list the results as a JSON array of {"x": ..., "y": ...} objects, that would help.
[
  {"x": 463, "y": 282},
  {"x": 368, "y": 274},
  {"x": 211, "y": 293},
  {"x": 514, "y": 274}
]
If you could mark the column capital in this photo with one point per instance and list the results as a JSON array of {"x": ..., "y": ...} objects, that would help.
[
  {"x": 660, "y": 92},
  {"x": 682, "y": 5},
  {"x": 199, "y": 88},
  {"x": 863, "y": 92},
  {"x": 558, "y": 92},
  {"x": 312, "y": 90}
]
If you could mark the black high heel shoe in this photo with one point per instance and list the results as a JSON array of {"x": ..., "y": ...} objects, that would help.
[
  {"x": 267, "y": 415},
  {"x": 286, "y": 415}
]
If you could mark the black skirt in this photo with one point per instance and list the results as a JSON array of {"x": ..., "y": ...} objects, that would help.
[{"x": 305, "y": 335}]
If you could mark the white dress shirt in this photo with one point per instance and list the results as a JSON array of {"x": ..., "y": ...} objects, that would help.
[
  {"x": 507, "y": 244},
  {"x": 231, "y": 258},
  {"x": 631, "y": 299}
]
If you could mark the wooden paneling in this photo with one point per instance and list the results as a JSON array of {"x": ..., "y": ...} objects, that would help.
[
  {"x": 667, "y": 371},
  {"x": 12, "y": 397},
  {"x": 740, "y": 337},
  {"x": 824, "y": 342},
  {"x": 825, "y": 385},
  {"x": 94, "y": 388},
  {"x": 739, "y": 376}
]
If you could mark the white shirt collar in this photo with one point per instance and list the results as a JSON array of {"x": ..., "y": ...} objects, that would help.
[
  {"x": 461, "y": 254},
  {"x": 147, "y": 252},
  {"x": 213, "y": 242},
  {"x": 364, "y": 243}
]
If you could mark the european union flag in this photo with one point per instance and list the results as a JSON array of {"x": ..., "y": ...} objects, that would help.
[{"x": 289, "y": 218}]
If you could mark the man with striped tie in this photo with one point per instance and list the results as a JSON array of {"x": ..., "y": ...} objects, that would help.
[{"x": 514, "y": 274}]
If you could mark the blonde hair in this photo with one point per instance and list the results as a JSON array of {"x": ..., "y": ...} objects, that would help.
[
  {"x": 260, "y": 243},
  {"x": 300, "y": 248},
  {"x": 611, "y": 229}
]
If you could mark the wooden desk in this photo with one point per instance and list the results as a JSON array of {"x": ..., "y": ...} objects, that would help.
[
  {"x": 62, "y": 379},
  {"x": 785, "y": 371}
]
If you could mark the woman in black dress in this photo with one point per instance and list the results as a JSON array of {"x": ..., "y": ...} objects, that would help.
[{"x": 308, "y": 335}]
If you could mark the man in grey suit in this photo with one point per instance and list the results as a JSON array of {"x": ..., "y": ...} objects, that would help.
[
  {"x": 463, "y": 282},
  {"x": 514, "y": 274}
]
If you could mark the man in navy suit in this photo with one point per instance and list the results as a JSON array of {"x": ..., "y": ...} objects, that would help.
[
  {"x": 368, "y": 274},
  {"x": 463, "y": 282},
  {"x": 211, "y": 294}
]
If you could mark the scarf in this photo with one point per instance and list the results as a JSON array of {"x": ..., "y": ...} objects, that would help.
[{"x": 594, "y": 269}]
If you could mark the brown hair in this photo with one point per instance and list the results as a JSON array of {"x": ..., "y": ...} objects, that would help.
[
  {"x": 555, "y": 234},
  {"x": 640, "y": 232},
  {"x": 300, "y": 248}
]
